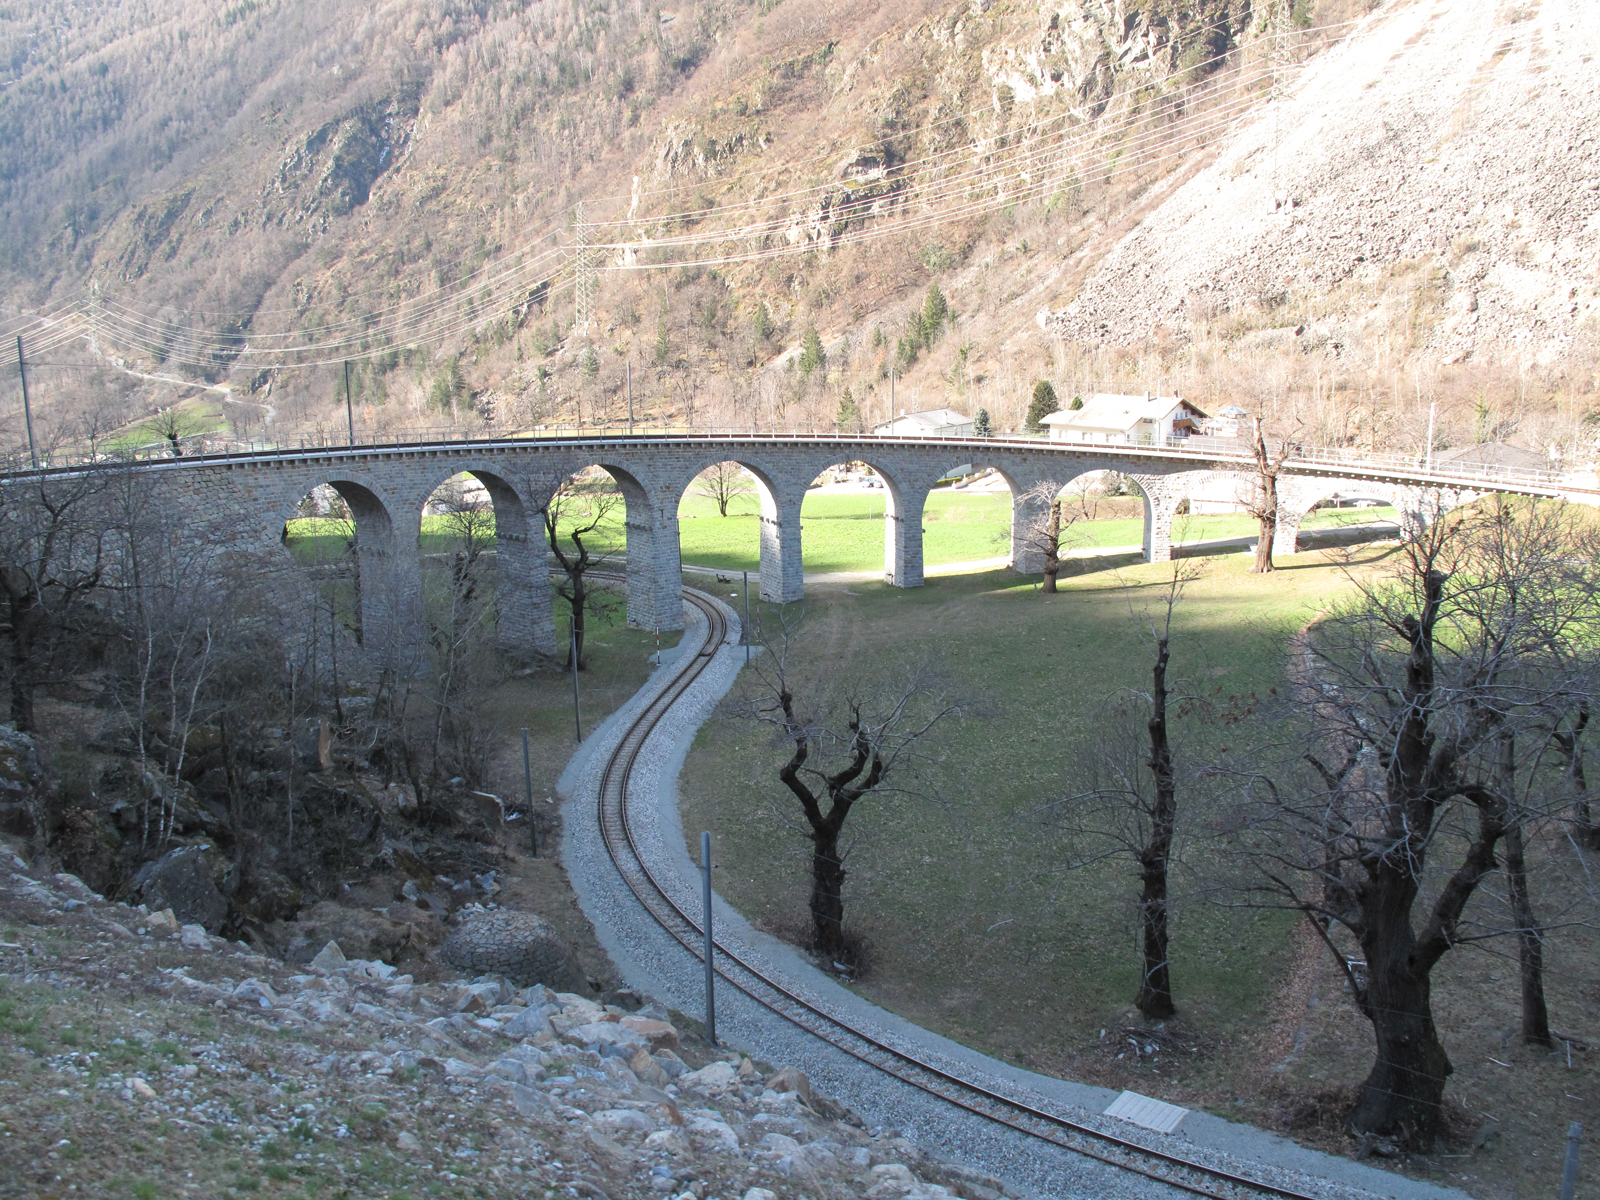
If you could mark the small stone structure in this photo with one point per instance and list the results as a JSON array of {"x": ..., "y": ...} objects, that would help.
[{"x": 522, "y": 946}]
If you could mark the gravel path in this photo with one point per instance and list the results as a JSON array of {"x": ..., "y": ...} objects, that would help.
[{"x": 649, "y": 959}]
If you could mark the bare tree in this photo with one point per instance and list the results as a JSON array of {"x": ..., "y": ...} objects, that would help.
[
  {"x": 1132, "y": 809},
  {"x": 579, "y": 507},
  {"x": 173, "y": 425},
  {"x": 1431, "y": 696},
  {"x": 843, "y": 746},
  {"x": 1049, "y": 530},
  {"x": 1261, "y": 502},
  {"x": 54, "y": 540},
  {"x": 723, "y": 483}
]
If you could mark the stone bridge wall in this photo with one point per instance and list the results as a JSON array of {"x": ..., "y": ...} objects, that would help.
[{"x": 241, "y": 505}]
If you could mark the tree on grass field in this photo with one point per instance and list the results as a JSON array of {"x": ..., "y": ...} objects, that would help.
[
  {"x": 1261, "y": 502},
  {"x": 1431, "y": 699},
  {"x": 724, "y": 483},
  {"x": 1131, "y": 809},
  {"x": 845, "y": 743},
  {"x": 576, "y": 508},
  {"x": 1044, "y": 403},
  {"x": 1049, "y": 530}
]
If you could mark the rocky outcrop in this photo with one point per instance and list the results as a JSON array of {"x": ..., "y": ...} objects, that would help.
[
  {"x": 22, "y": 783},
  {"x": 522, "y": 946},
  {"x": 182, "y": 880}
]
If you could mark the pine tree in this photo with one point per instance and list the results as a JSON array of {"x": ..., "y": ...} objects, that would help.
[
  {"x": 981, "y": 426},
  {"x": 1077, "y": 403},
  {"x": 763, "y": 322},
  {"x": 663, "y": 346},
  {"x": 848, "y": 418},
  {"x": 1044, "y": 403},
  {"x": 812, "y": 356},
  {"x": 935, "y": 311}
]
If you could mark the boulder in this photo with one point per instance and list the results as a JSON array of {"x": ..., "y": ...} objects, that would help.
[
  {"x": 522, "y": 946},
  {"x": 791, "y": 1079},
  {"x": 181, "y": 880}
]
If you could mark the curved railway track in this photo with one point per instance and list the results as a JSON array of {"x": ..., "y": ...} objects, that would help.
[{"x": 970, "y": 1095}]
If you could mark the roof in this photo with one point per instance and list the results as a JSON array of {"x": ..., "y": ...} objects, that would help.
[
  {"x": 933, "y": 418},
  {"x": 1106, "y": 410},
  {"x": 1494, "y": 454}
]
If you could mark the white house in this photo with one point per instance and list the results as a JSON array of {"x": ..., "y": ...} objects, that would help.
[
  {"x": 935, "y": 422},
  {"x": 1125, "y": 420}
]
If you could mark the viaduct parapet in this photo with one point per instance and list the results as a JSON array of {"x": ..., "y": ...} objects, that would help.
[{"x": 241, "y": 504}]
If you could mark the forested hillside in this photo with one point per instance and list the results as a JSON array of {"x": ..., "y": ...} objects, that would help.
[{"x": 787, "y": 201}]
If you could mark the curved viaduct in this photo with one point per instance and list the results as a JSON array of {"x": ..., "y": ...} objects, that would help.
[{"x": 241, "y": 504}]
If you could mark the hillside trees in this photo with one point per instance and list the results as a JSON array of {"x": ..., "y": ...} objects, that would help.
[
  {"x": 55, "y": 548},
  {"x": 1432, "y": 695},
  {"x": 1042, "y": 405}
]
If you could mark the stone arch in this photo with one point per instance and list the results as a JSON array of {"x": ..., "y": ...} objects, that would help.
[
  {"x": 382, "y": 594},
  {"x": 523, "y": 615},
  {"x": 976, "y": 463},
  {"x": 1299, "y": 494},
  {"x": 781, "y": 575},
  {"x": 905, "y": 490}
]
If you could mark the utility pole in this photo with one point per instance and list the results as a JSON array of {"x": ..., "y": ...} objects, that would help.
[
  {"x": 583, "y": 276},
  {"x": 746, "y": 630},
  {"x": 630, "y": 397},
  {"x": 1432, "y": 407},
  {"x": 349, "y": 410},
  {"x": 27, "y": 409}
]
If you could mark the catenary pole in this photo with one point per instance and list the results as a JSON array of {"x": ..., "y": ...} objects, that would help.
[
  {"x": 577, "y": 724},
  {"x": 527, "y": 784},
  {"x": 349, "y": 408},
  {"x": 711, "y": 974},
  {"x": 27, "y": 409}
]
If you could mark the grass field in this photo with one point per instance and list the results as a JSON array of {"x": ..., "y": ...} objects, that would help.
[
  {"x": 844, "y": 531},
  {"x": 976, "y": 930}
]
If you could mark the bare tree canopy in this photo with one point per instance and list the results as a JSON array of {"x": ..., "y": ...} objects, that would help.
[
  {"x": 1261, "y": 497},
  {"x": 1436, "y": 702},
  {"x": 845, "y": 740},
  {"x": 578, "y": 512},
  {"x": 1049, "y": 529},
  {"x": 723, "y": 483}
]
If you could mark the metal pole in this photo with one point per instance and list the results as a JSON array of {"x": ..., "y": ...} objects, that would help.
[
  {"x": 630, "y": 397},
  {"x": 27, "y": 409},
  {"x": 577, "y": 725},
  {"x": 349, "y": 410},
  {"x": 1569, "y": 1178},
  {"x": 527, "y": 783},
  {"x": 1431, "y": 407},
  {"x": 746, "y": 630},
  {"x": 711, "y": 974}
]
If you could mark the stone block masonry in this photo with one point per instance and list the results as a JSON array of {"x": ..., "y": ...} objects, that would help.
[{"x": 240, "y": 507}]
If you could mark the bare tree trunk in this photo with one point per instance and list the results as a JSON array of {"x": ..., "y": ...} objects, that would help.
[
  {"x": 827, "y": 892},
  {"x": 1266, "y": 503},
  {"x": 1155, "y": 987},
  {"x": 1052, "y": 547},
  {"x": 1567, "y": 742},
  {"x": 1402, "y": 1094},
  {"x": 1530, "y": 942}
]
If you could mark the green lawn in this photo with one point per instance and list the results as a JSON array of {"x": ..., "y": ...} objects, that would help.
[
  {"x": 977, "y": 930},
  {"x": 844, "y": 531}
]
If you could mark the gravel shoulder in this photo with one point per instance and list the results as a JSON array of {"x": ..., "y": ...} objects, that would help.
[{"x": 651, "y": 961}]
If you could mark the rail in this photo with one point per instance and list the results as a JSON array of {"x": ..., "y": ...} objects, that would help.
[{"x": 970, "y": 1095}]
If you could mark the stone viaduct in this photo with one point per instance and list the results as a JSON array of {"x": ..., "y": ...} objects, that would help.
[{"x": 241, "y": 504}]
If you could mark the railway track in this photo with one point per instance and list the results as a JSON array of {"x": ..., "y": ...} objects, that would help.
[{"x": 969, "y": 1095}]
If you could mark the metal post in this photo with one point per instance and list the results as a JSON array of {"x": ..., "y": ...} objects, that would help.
[
  {"x": 1569, "y": 1177},
  {"x": 577, "y": 725},
  {"x": 27, "y": 409},
  {"x": 746, "y": 630},
  {"x": 527, "y": 783},
  {"x": 349, "y": 410},
  {"x": 630, "y": 397},
  {"x": 711, "y": 974},
  {"x": 1431, "y": 407}
]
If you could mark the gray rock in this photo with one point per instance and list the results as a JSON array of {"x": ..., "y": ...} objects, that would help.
[
  {"x": 523, "y": 947},
  {"x": 529, "y": 1023},
  {"x": 330, "y": 958},
  {"x": 181, "y": 880}
]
